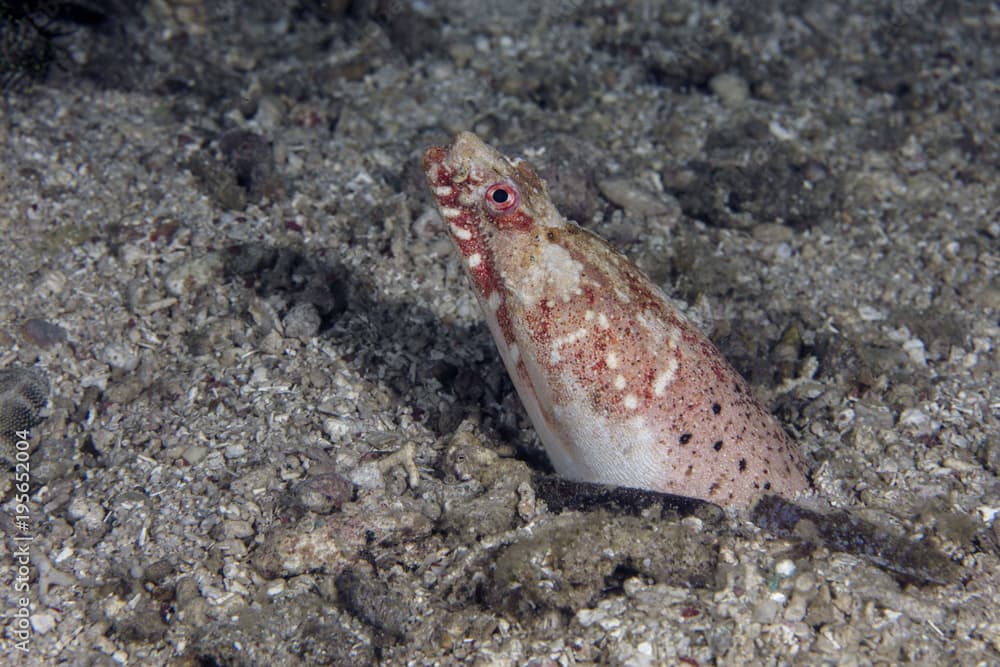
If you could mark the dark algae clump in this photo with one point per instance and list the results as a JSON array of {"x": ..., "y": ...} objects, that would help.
[{"x": 912, "y": 560}]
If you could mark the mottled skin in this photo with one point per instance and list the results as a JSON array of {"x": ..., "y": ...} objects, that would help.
[{"x": 620, "y": 386}]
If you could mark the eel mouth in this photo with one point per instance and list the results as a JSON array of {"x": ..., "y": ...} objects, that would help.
[{"x": 465, "y": 151}]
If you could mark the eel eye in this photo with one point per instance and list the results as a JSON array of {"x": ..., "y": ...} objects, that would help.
[{"x": 502, "y": 198}]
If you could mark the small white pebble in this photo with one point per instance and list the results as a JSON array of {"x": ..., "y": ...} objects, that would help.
[
  {"x": 42, "y": 622},
  {"x": 784, "y": 568},
  {"x": 235, "y": 451},
  {"x": 587, "y": 617},
  {"x": 916, "y": 419},
  {"x": 693, "y": 523},
  {"x": 121, "y": 356},
  {"x": 609, "y": 623},
  {"x": 916, "y": 351},
  {"x": 632, "y": 586},
  {"x": 731, "y": 89},
  {"x": 367, "y": 476},
  {"x": 987, "y": 514},
  {"x": 194, "y": 454},
  {"x": 335, "y": 427},
  {"x": 52, "y": 283},
  {"x": 870, "y": 314},
  {"x": 957, "y": 465}
]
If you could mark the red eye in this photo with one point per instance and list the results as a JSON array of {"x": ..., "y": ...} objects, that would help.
[{"x": 502, "y": 198}]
